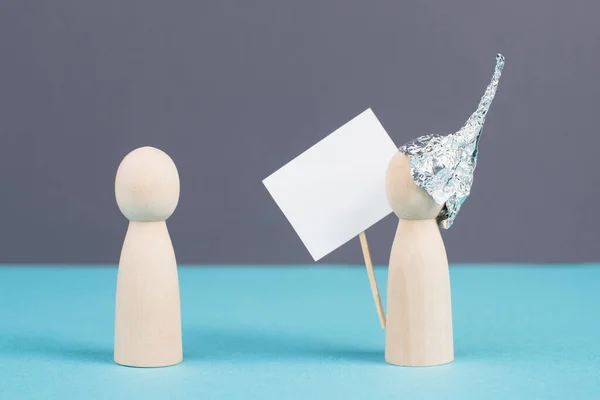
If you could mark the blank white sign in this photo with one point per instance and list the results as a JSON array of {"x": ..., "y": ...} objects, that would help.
[{"x": 336, "y": 189}]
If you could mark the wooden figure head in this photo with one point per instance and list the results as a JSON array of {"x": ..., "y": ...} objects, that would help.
[
  {"x": 147, "y": 185},
  {"x": 408, "y": 201}
]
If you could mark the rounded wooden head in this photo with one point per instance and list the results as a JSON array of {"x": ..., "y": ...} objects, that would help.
[
  {"x": 407, "y": 199},
  {"x": 147, "y": 185}
]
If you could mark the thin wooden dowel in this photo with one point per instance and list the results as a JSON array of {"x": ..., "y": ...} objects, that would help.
[{"x": 372, "y": 281}]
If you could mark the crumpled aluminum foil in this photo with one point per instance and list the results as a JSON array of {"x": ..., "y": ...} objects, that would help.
[{"x": 444, "y": 165}]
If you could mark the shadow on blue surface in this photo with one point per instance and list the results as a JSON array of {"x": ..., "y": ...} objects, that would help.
[
  {"x": 208, "y": 345},
  {"x": 256, "y": 346},
  {"x": 55, "y": 349}
]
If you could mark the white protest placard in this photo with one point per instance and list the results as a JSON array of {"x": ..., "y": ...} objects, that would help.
[{"x": 336, "y": 189}]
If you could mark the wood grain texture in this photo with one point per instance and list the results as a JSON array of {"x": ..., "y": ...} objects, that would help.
[
  {"x": 419, "y": 312},
  {"x": 148, "y": 316},
  {"x": 419, "y": 319}
]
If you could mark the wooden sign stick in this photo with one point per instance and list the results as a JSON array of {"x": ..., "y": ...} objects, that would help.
[{"x": 371, "y": 272}]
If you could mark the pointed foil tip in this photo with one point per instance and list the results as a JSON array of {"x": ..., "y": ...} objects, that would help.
[{"x": 444, "y": 165}]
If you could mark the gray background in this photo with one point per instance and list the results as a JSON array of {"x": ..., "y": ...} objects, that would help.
[{"x": 234, "y": 89}]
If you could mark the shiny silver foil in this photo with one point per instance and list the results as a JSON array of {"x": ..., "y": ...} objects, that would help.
[{"x": 444, "y": 165}]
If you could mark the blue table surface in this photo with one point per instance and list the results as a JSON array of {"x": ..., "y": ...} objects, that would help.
[{"x": 303, "y": 332}]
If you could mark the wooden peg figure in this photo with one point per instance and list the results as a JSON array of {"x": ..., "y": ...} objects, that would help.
[
  {"x": 419, "y": 313},
  {"x": 148, "y": 317},
  {"x": 427, "y": 182}
]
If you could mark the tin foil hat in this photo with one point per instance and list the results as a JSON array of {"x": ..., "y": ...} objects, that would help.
[{"x": 444, "y": 165}]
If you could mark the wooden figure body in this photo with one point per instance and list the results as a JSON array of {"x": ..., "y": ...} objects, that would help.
[
  {"x": 147, "y": 317},
  {"x": 419, "y": 314}
]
